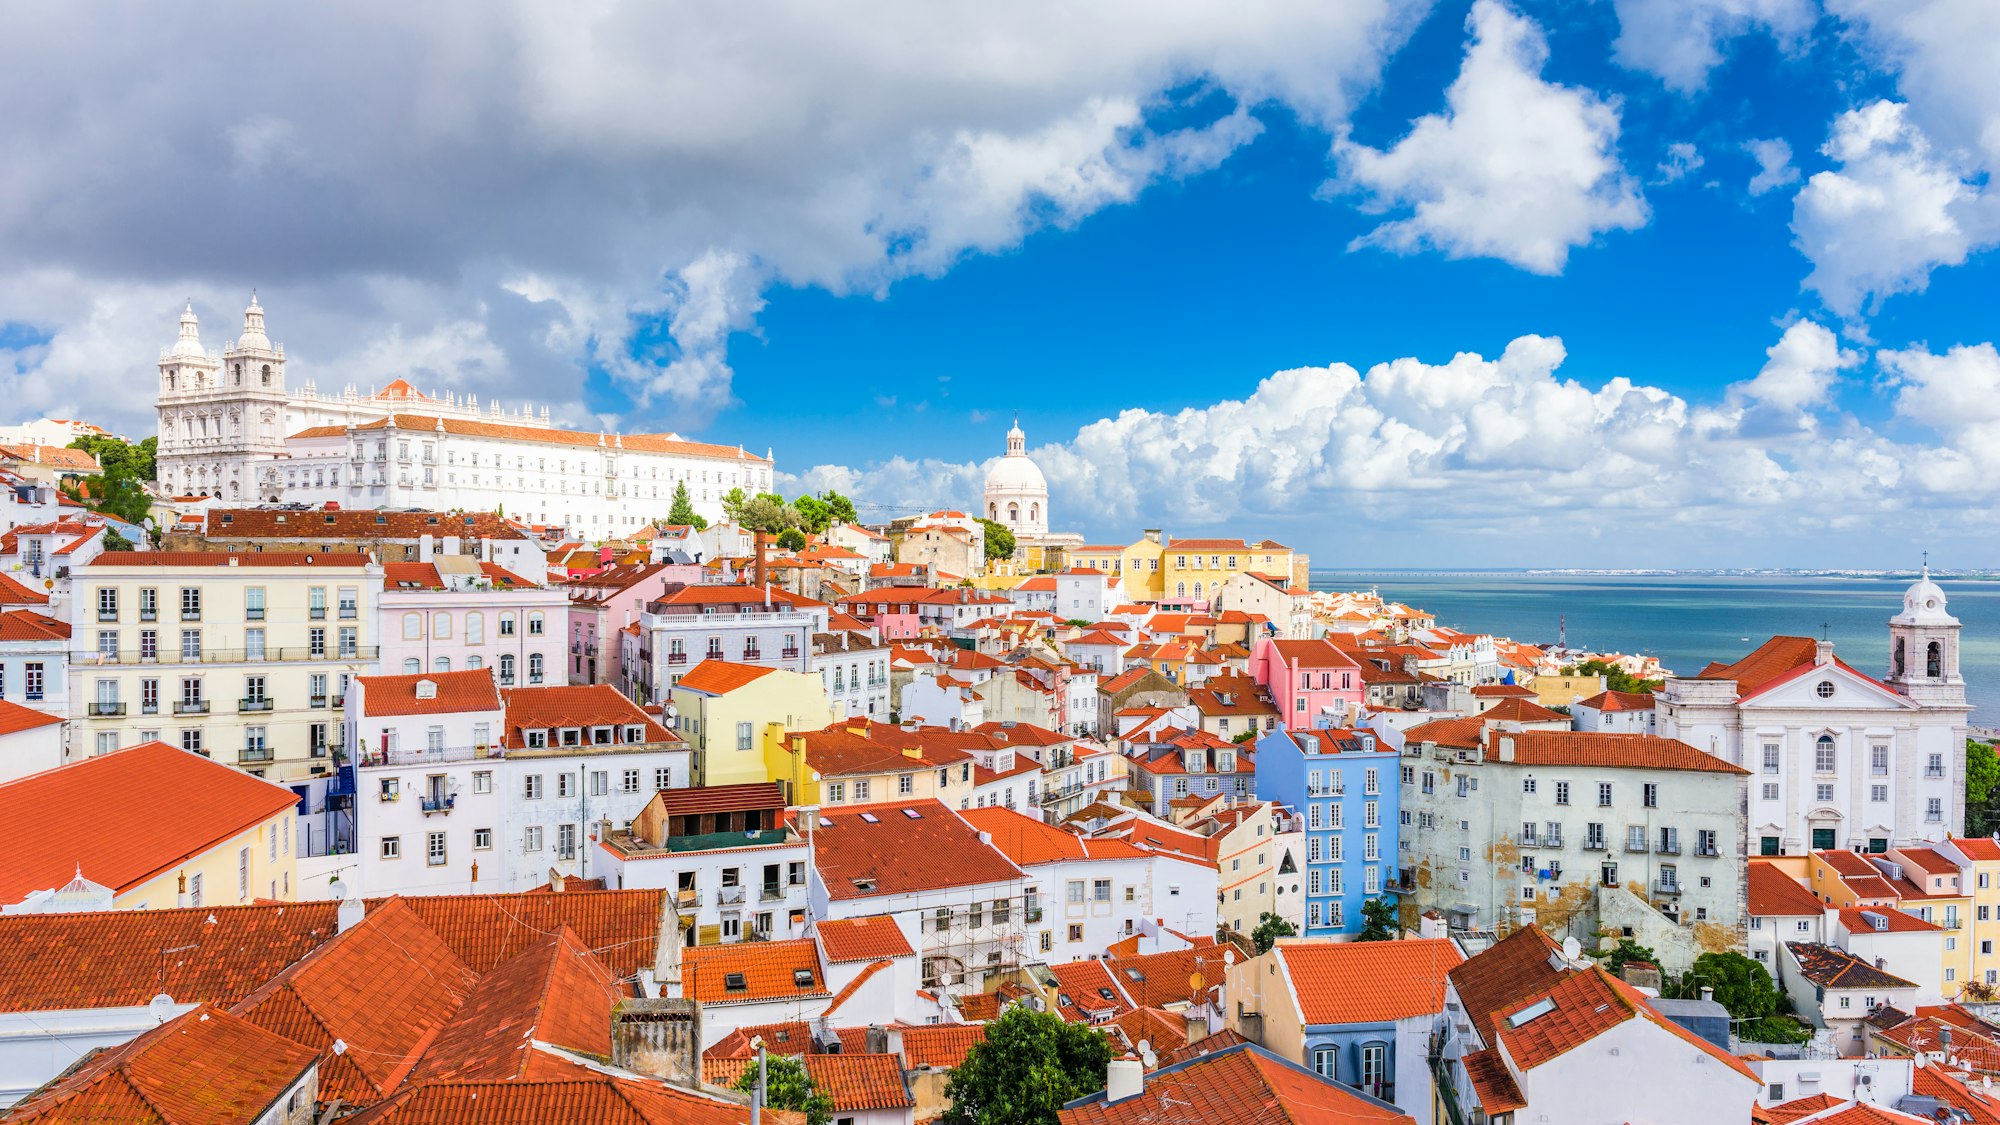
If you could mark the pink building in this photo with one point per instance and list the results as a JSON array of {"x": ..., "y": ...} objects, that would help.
[
  {"x": 1313, "y": 683},
  {"x": 601, "y": 604}
]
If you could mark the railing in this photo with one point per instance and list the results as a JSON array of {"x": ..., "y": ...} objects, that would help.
[
  {"x": 732, "y": 896},
  {"x": 788, "y": 654},
  {"x": 254, "y": 703},
  {"x": 318, "y": 701},
  {"x": 677, "y": 658},
  {"x": 1669, "y": 847},
  {"x": 1530, "y": 840},
  {"x": 773, "y": 892},
  {"x": 149, "y": 615},
  {"x": 1709, "y": 851},
  {"x": 1554, "y": 841},
  {"x": 191, "y": 707},
  {"x": 1636, "y": 847},
  {"x": 104, "y": 615},
  {"x": 1933, "y": 771},
  {"x": 316, "y": 613},
  {"x": 190, "y": 615},
  {"x": 99, "y": 710},
  {"x": 253, "y": 615},
  {"x": 1590, "y": 845},
  {"x": 441, "y": 804},
  {"x": 254, "y": 755},
  {"x": 229, "y": 656},
  {"x": 427, "y": 755},
  {"x": 1666, "y": 888}
]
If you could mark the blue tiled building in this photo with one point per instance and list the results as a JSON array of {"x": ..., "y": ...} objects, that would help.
[{"x": 1345, "y": 786}]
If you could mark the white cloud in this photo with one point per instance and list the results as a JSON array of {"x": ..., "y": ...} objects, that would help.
[
  {"x": 1774, "y": 165},
  {"x": 1798, "y": 377},
  {"x": 1892, "y": 211},
  {"x": 1516, "y": 168},
  {"x": 563, "y": 175},
  {"x": 1683, "y": 160},
  {"x": 1945, "y": 52},
  {"x": 1680, "y": 41}
]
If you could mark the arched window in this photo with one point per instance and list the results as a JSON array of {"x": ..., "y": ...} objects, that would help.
[
  {"x": 237, "y": 369},
  {"x": 1034, "y": 512},
  {"x": 507, "y": 670},
  {"x": 475, "y": 663},
  {"x": 1180, "y": 589},
  {"x": 1934, "y": 660},
  {"x": 1013, "y": 513},
  {"x": 412, "y": 666},
  {"x": 413, "y": 627},
  {"x": 475, "y": 628},
  {"x": 1824, "y": 760},
  {"x": 535, "y": 668},
  {"x": 267, "y": 374},
  {"x": 441, "y": 626},
  {"x": 535, "y": 624},
  {"x": 441, "y": 664},
  {"x": 993, "y": 511},
  {"x": 1899, "y": 656},
  {"x": 1197, "y": 589}
]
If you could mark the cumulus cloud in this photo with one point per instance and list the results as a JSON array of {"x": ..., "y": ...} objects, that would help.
[
  {"x": 573, "y": 179},
  {"x": 1515, "y": 168},
  {"x": 1683, "y": 160},
  {"x": 1774, "y": 165},
  {"x": 1892, "y": 211},
  {"x": 1681, "y": 41}
]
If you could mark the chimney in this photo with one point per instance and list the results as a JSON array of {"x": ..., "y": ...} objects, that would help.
[
  {"x": 658, "y": 1037},
  {"x": 350, "y": 911},
  {"x": 1707, "y": 993},
  {"x": 1506, "y": 744},
  {"x": 1822, "y": 653},
  {"x": 1124, "y": 1078},
  {"x": 426, "y": 547},
  {"x": 763, "y": 577},
  {"x": 1197, "y": 1027}
]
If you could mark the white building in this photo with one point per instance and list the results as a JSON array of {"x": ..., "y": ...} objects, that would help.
[
  {"x": 231, "y": 428},
  {"x": 458, "y": 613},
  {"x": 462, "y": 788},
  {"x": 737, "y": 869},
  {"x": 1017, "y": 495},
  {"x": 855, "y": 672},
  {"x": 686, "y": 625},
  {"x": 34, "y": 661},
  {"x": 1621, "y": 712},
  {"x": 1840, "y": 759}
]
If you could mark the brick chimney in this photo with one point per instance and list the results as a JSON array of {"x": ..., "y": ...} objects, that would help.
[{"x": 659, "y": 1037}]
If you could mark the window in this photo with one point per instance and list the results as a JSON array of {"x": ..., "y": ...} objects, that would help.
[
  {"x": 1527, "y": 785},
  {"x": 836, "y": 792},
  {"x": 350, "y": 602},
  {"x": 1603, "y": 794},
  {"x": 482, "y": 781},
  {"x": 1879, "y": 794},
  {"x": 190, "y": 603},
  {"x": 507, "y": 669},
  {"x": 392, "y": 847},
  {"x": 1323, "y": 1057},
  {"x": 532, "y": 787},
  {"x": 629, "y": 782},
  {"x": 744, "y": 736},
  {"x": 565, "y": 785},
  {"x": 1878, "y": 759},
  {"x": 535, "y": 624},
  {"x": 253, "y": 603},
  {"x": 1650, "y": 795},
  {"x": 1823, "y": 792},
  {"x": 506, "y": 624},
  {"x": 531, "y": 839},
  {"x": 1823, "y": 754},
  {"x": 1934, "y": 809},
  {"x": 861, "y": 789},
  {"x": 1770, "y": 757},
  {"x": 149, "y": 605},
  {"x": 600, "y": 783},
  {"x": 413, "y": 627},
  {"x": 1562, "y": 792},
  {"x": 663, "y": 778},
  {"x": 906, "y": 784},
  {"x": 434, "y": 850},
  {"x": 535, "y": 668},
  {"x": 1770, "y": 791}
]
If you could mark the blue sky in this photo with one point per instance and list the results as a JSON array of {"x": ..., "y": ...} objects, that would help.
[{"x": 868, "y": 243}]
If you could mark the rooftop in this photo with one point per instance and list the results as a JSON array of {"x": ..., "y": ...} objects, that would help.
[
  {"x": 1241, "y": 1085},
  {"x": 900, "y": 849},
  {"x": 1406, "y": 978},
  {"x": 435, "y": 693},
  {"x": 343, "y": 523}
]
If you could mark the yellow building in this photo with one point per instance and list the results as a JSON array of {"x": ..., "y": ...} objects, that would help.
[
  {"x": 1928, "y": 883},
  {"x": 1159, "y": 568},
  {"x": 150, "y": 826},
  {"x": 244, "y": 658},
  {"x": 1978, "y": 859},
  {"x": 733, "y": 714},
  {"x": 846, "y": 765}
]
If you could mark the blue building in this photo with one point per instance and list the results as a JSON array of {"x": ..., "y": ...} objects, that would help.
[{"x": 1345, "y": 785}]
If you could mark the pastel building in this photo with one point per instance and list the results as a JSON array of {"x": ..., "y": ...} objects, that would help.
[
  {"x": 1346, "y": 786},
  {"x": 1313, "y": 683}
]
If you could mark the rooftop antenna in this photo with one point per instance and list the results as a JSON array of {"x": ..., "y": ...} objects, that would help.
[{"x": 1825, "y": 631}]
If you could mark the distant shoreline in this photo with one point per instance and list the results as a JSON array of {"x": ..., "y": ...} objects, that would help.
[{"x": 1595, "y": 572}]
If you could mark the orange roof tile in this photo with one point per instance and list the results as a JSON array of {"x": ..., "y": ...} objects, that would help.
[
  {"x": 13, "y": 593},
  {"x": 556, "y": 993},
  {"x": 542, "y": 435},
  {"x": 862, "y": 939},
  {"x": 1604, "y": 750},
  {"x": 1207, "y": 1045},
  {"x": 1929, "y": 860},
  {"x": 1504, "y": 974},
  {"x": 940, "y": 1046},
  {"x": 1241, "y": 1085},
  {"x": 769, "y": 970},
  {"x": 882, "y": 849},
  {"x": 1176, "y": 976},
  {"x": 1860, "y": 920},
  {"x": 1584, "y": 1005},
  {"x": 54, "y": 822},
  {"x": 1407, "y": 978},
  {"x": 1611, "y": 701},
  {"x": 27, "y": 625},
  {"x": 15, "y": 718},
  {"x": 205, "y": 1067},
  {"x": 600, "y": 1099},
  {"x": 719, "y": 677},
  {"x": 1084, "y": 987},
  {"x": 856, "y": 1082},
  {"x": 1977, "y": 847},
  {"x": 1493, "y": 1083},
  {"x": 450, "y": 693},
  {"x": 487, "y": 930},
  {"x": 1027, "y": 841},
  {"x": 574, "y": 705},
  {"x": 186, "y": 560},
  {"x": 1772, "y": 892}
]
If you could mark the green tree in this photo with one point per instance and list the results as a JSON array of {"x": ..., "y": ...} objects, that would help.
[
  {"x": 1741, "y": 985},
  {"x": 788, "y": 1086},
  {"x": 814, "y": 514},
  {"x": 999, "y": 540},
  {"x": 1269, "y": 929},
  {"x": 840, "y": 508},
  {"x": 792, "y": 539},
  {"x": 732, "y": 505},
  {"x": 114, "y": 541},
  {"x": 1378, "y": 920},
  {"x": 1982, "y": 774},
  {"x": 766, "y": 513},
  {"x": 1626, "y": 950},
  {"x": 1615, "y": 678},
  {"x": 683, "y": 512},
  {"x": 1027, "y": 1067}
]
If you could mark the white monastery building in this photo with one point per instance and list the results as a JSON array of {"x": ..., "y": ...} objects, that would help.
[{"x": 230, "y": 428}]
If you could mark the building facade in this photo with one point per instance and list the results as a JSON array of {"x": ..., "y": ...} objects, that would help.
[{"x": 1346, "y": 787}]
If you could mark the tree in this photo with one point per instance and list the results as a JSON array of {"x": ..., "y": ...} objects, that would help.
[
  {"x": 114, "y": 541},
  {"x": 1982, "y": 774},
  {"x": 1027, "y": 1067},
  {"x": 683, "y": 513},
  {"x": 788, "y": 1086},
  {"x": 732, "y": 505},
  {"x": 1615, "y": 678},
  {"x": 999, "y": 540},
  {"x": 1269, "y": 929},
  {"x": 766, "y": 513},
  {"x": 118, "y": 457},
  {"x": 1627, "y": 950},
  {"x": 840, "y": 509},
  {"x": 1378, "y": 920},
  {"x": 814, "y": 514},
  {"x": 792, "y": 539}
]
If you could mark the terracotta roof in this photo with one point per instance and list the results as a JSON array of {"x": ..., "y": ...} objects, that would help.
[
  {"x": 623, "y": 927},
  {"x": 556, "y": 993},
  {"x": 1585, "y": 1005},
  {"x": 883, "y": 850},
  {"x": 1516, "y": 710},
  {"x": 1980, "y": 1104},
  {"x": 1928, "y": 859},
  {"x": 205, "y": 1067},
  {"x": 862, "y": 939},
  {"x": 1207, "y": 1045},
  {"x": 1829, "y": 967},
  {"x": 27, "y": 625},
  {"x": 1772, "y": 892},
  {"x": 599, "y": 1099},
  {"x": 844, "y": 749},
  {"x": 185, "y": 560},
  {"x": 740, "y": 797},
  {"x": 1406, "y": 978},
  {"x": 940, "y": 1046},
  {"x": 55, "y": 456},
  {"x": 1604, "y": 750},
  {"x": 1845, "y": 862},
  {"x": 719, "y": 677},
  {"x": 855, "y": 1082},
  {"x": 383, "y": 987},
  {"x": 1152, "y": 1026},
  {"x": 451, "y": 693},
  {"x": 574, "y": 705},
  {"x": 1084, "y": 987},
  {"x": 1176, "y": 976},
  {"x": 13, "y": 593},
  {"x": 769, "y": 970},
  {"x": 426, "y": 576},
  {"x": 1028, "y": 841},
  {"x": 1460, "y": 733},
  {"x": 15, "y": 718},
  {"x": 543, "y": 435},
  {"x": 1504, "y": 974},
  {"x": 1493, "y": 1083},
  {"x": 58, "y": 821},
  {"x": 1859, "y": 920},
  {"x": 1241, "y": 1085},
  {"x": 1977, "y": 847},
  {"x": 1611, "y": 701},
  {"x": 1312, "y": 654}
]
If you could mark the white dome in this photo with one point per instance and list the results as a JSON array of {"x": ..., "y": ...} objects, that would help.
[
  {"x": 189, "y": 344},
  {"x": 253, "y": 338},
  {"x": 1924, "y": 604},
  {"x": 1016, "y": 473}
]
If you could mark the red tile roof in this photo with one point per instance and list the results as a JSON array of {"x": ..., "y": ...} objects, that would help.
[
  {"x": 883, "y": 850},
  {"x": 1586, "y": 1004},
  {"x": 1504, "y": 974},
  {"x": 624, "y": 927},
  {"x": 1929, "y": 860},
  {"x": 1772, "y": 892},
  {"x": 719, "y": 677},
  {"x": 940, "y": 1046},
  {"x": 600, "y": 1099},
  {"x": 1085, "y": 987},
  {"x": 1859, "y": 920},
  {"x": 54, "y": 822},
  {"x": 862, "y": 939},
  {"x": 1176, "y": 976},
  {"x": 856, "y": 1082},
  {"x": 27, "y": 625},
  {"x": 771, "y": 970},
  {"x": 574, "y": 705},
  {"x": 556, "y": 993},
  {"x": 1241, "y": 1085},
  {"x": 1611, "y": 701},
  {"x": 205, "y": 1067},
  {"x": 740, "y": 797},
  {"x": 1978, "y": 847},
  {"x": 1493, "y": 1083},
  {"x": 356, "y": 523},
  {"x": 1028, "y": 841},
  {"x": 13, "y": 593},
  {"x": 1604, "y": 750},
  {"x": 184, "y": 560},
  {"x": 1207, "y": 1045},
  {"x": 1830, "y": 967},
  {"x": 15, "y": 718},
  {"x": 450, "y": 693},
  {"x": 1406, "y": 978},
  {"x": 542, "y": 435}
]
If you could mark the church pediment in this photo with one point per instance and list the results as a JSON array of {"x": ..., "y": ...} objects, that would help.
[{"x": 1828, "y": 687}]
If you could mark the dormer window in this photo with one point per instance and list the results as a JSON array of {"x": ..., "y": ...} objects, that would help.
[{"x": 538, "y": 738}]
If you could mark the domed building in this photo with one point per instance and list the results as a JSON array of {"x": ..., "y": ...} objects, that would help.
[{"x": 1017, "y": 495}]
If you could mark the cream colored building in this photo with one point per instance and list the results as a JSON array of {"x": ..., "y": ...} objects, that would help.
[{"x": 241, "y": 658}]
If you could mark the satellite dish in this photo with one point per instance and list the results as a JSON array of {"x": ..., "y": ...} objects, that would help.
[
  {"x": 1196, "y": 981},
  {"x": 48, "y": 583},
  {"x": 161, "y": 1008},
  {"x": 1572, "y": 949}
]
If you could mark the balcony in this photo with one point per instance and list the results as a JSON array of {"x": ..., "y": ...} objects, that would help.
[
  {"x": 103, "y": 710},
  {"x": 772, "y": 892},
  {"x": 1669, "y": 889},
  {"x": 254, "y": 755},
  {"x": 1555, "y": 841},
  {"x": 267, "y": 655},
  {"x": 427, "y": 755},
  {"x": 788, "y": 654},
  {"x": 1668, "y": 847},
  {"x": 316, "y": 613},
  {"x": 149, "y": 615},
  {"x": 256, "y": 614},
  {"x": 316, "y": 701},
  {"x": 254, "y": 703},
  {"x": 1635, "y": 847},
  {"x": 107, "y": 615},
  {"x": 732, "y": 896},
  {"x": 1707, "y": 852},
  {"x": 439, "y": 803},
  {"x": 677, "y": 658},
  {"x": 190, "y": 615},
  {"x": 191, "y": 707},
  {"x": 1590, "y": 845}
]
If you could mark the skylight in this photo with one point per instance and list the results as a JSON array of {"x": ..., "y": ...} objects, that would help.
[{"x": 1532, "y": 1012}]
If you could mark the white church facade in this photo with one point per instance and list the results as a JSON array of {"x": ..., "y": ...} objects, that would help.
[
  {"x": 1016, "y": 496},
  {"x": 1837, "y": 758},
  {"x": 231, "y": 428}
]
